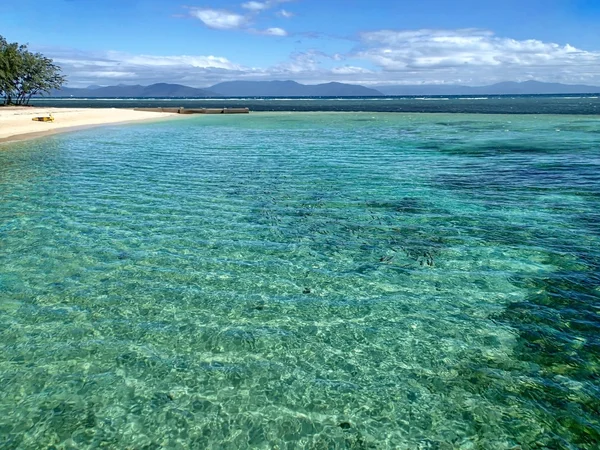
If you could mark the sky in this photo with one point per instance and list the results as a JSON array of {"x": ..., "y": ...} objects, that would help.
[{"x": 369, "y": 42}]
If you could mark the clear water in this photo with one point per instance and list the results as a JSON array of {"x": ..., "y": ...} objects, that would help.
[{"x": 303, "y": 280}]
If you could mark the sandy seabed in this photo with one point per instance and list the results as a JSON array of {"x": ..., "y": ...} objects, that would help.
[{"x": 16, "y": 122}]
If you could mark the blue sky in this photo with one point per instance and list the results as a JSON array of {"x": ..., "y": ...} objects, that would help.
[{"x": 369, "y": 42}]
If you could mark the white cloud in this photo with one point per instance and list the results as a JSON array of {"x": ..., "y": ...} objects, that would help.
[
  {"x": 470, "y": 57},
  {"x": 475, "y": 56},
  {"x": 350, "y": 70},
  {"x": 274, "y": 32},
  {"x": 256, "y": 6},
  {"x": 111, "y": 67},
  {"x": 216, "y": 62},
  {"x": 219, "y": 19},
  {"x": 300, "y": 64},
  {"x": 285, "y": 14},
  {"x": 226, "y": 20},
  {"x": 261, "y": 6},
  {"x": 107, "y": 74}
]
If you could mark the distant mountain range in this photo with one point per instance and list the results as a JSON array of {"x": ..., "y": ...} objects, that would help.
[
  {"x": 294, "y": 89},
  {"x": 505, "y": 88},
  {"x": 227, "y": 89},
  {"x": 123, "y": 90},
  {"x": 291, "y": 89}
]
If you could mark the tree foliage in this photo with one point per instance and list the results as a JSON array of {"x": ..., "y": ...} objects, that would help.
[{"x": 24, "y": 74}]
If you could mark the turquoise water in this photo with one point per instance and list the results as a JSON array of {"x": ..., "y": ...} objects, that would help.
[{"x": 303, "y": 280}]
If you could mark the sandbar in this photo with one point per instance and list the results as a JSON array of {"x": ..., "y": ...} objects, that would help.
[{"x": 16, "y": 122}]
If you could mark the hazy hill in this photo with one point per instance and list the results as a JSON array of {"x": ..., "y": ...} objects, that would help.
[
  {"x": 122, "y": 90},
  {"x": 290, "y": 89},
  {"x": 506, "y": 88},
  {"x": 294, "y": 89}
]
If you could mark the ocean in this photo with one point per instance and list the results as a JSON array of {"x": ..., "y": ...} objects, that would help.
[
  {"x": 363, "y": 280},
  {"x": 583, "y": 104}
]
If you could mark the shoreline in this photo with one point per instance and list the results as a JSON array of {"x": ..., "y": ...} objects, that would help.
[{"x": 16, "y": 123}]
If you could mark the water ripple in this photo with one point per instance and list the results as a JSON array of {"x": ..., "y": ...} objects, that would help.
[{"x": 303, "y": 281}]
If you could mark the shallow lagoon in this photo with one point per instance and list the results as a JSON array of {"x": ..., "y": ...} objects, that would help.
[{"x": 303, "y": 280}]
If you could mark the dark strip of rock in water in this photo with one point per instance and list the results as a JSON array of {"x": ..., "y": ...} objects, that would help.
[{"x": 197, "y": 110}]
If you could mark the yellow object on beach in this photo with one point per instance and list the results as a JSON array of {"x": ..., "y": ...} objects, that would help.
[{"x": 44, "y": 119}]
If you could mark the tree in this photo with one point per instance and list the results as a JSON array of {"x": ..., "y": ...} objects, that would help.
[
  {"x": 38, "y": 75},
  {"x": 24, "y": 74},
  {"x": 10, "y": 61}
]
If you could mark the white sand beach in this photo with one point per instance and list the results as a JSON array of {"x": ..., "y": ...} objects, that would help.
[{"x": 16, "y": 122}]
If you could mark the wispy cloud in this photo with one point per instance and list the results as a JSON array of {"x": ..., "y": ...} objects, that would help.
[
  {"x": 219, "y": 19},
  {"x": 256, "y": 6},
  {"x": 273, "y": 32},
  {"x": 106, "y": 68},
  {"x": 285, "y": 14},
  {"x": 210, "y": 61},
  {"x": 261, "y": 6},
  {"x": 103, "y": 68},
  {"x": 471, "y": 57},
  {"x": 301, "y": 63},
  {"x": 475, "y": 56},
  {"x": 350, "y": 70}
]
